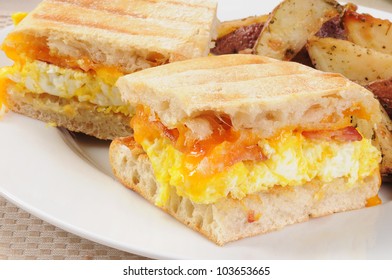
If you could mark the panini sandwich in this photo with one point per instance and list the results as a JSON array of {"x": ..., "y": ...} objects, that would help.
[
  {"x": 238, "y": 145},
  {"x": 69, "y": 53}
]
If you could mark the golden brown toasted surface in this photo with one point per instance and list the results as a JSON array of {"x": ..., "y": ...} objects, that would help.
[
  {"x": 255, "y": 91},
  {"x": 71, "y": 114},
  {"x": 115, "y": 30}
]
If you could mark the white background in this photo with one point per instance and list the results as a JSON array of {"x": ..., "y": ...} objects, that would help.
[{"x": 27, "y": 5}]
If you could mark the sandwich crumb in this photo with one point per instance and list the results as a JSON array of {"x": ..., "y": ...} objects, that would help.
[
  {"x": 51, "y": 124},
  {"x": 252, "y": 216},
  {"x": 3, "y": 110}
]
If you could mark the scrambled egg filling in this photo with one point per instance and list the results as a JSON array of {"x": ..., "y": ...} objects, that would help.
[
  {"x": 39, "y": 77},
  {"x": 292, "y": 160}
]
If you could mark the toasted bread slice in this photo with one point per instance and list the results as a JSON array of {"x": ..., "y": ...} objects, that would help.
[
  {"x": 75, "y": 50},
  {"x": 256, "y": 92},
  {"x": 128, "y": 35},
  {"x": 229, "y": 219},
  {"x": 71, "y": 114}
]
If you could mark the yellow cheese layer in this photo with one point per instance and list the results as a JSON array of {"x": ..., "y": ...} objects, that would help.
[
  {"x": 40, "y": 77},
  {"x": 18, "y": 17},
  {"x": 292, "y": 160}
]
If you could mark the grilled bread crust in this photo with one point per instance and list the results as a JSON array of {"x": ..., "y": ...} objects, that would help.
[
  {"x": 121, "y": 35},
  {"x": 71, "y": 114},
  {"x": 128, "y": 34},
  {"x": 228, "y": 219},
  {"x": 256, "y": 92}
]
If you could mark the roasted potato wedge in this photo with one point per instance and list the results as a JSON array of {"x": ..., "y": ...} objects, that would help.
[
  {"x": 357, "y": 63},
  {"x": 383, "y": 139},
  {"x": 369, "y": 32},
  {"x": 291, "y": 24},
  {"x": 240, "y": 40},
  {"x": 238, "y": 36},
  {"x": 334, "y": 27},
  {"x": 382, "y": 89},
  {"x": 381, "y": 135},
  {"x": 230, "y": 26}
]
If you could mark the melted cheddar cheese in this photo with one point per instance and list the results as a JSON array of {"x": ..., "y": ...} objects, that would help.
[
  {"x": 373, "y": 201},
  {"x": 3, "y": 89},
  {"x": 213, "y": 172},
  {"x": 37, "y": 70},
  {"x": 39, "y": 77},
  {"x": 18, "y": 17},
  {"x": 24, "y": 47}
]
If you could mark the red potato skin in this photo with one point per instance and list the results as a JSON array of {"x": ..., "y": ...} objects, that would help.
[
  {"x": 383, "y": 91},
  {"x": 241, "y": 39}
]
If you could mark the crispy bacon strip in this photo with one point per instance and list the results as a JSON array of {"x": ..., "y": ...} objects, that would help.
[
  {"x": 172, "y": 134},
  {"x": 252, "y": 153},
  {"x": 347, "y": 134},
  {"x": 251, "y": 216}
]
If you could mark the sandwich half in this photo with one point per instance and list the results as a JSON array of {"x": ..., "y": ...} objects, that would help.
[
  {"x": 238, "y": 145},
  {"x": 68, "y": 55}
]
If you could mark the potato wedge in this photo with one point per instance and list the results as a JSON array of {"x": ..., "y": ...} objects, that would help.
[
  {"x": 382, "y": 89},
  {"x": 368, "y": 31},
  {"x": 239, "y": 41},
  {"x": 383, "y": 138},
  {"x": 291, "y": 24},
  {"x": 227, "y": 27},
  {"x": 357, "y": 63},
  {"x": 381, "y": 135},
  {"x": 334, "y": 27}
]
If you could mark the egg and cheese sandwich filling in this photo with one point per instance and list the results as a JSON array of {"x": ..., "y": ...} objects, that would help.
[
  {"x": 76, "y": 94},
  {"x": 41, "y": 78},
  {"x": 238, "y": 145},
  {"x": 69, "y": 54},
  {"x": 38, "y": 71},
  {"x": 235, "y": 163}
]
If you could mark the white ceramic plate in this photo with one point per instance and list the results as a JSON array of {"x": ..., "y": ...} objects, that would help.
[{"x": 66, "y": 180}]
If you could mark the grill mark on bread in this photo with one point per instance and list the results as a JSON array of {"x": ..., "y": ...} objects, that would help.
[
  {"x": 94, "y": 6},
  {"x": 181, "y": 4},
  {"x": 232, "y": 77},
  {"x": 228, "y": 91},
  {"x": 246, "y": 100},
  {"x": 176, "y": 3},
  {"x": 222, "y": 83},
  {"x": 112, "y": 39},
  {"x": 178, "y": 69},
  {"x": 64, "y": 19},
  {"x": 88, "y": 4}
]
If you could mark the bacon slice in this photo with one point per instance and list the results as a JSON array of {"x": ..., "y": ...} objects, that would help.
[
  {"x": 238, "y": 152},
  {"x": 228, "y": 154},
  {"x": 251, "y": 216},
  {"x": 252, "y": 153},
  {"x": 347, "y": 134},
  {"x": 172, "y": 134}
]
